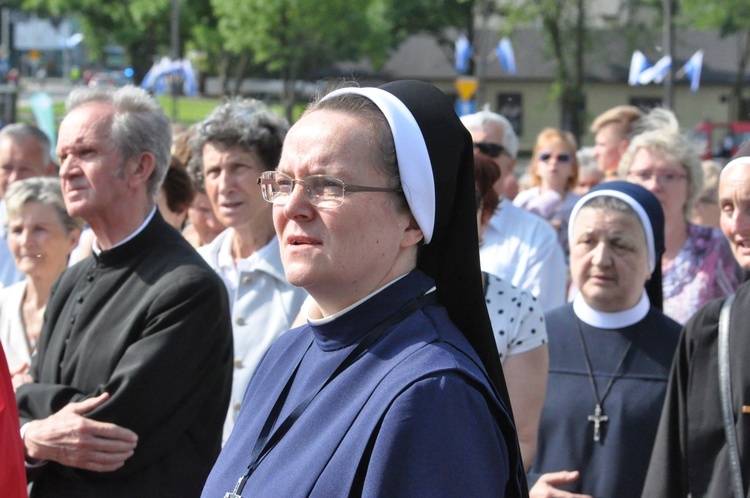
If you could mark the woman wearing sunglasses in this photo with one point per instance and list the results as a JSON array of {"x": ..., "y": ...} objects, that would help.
[{"x": 554, "y": 173}]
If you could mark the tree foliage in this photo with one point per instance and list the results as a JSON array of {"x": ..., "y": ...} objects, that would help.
[
  {"x": 728, "y": 17},
  {"x": 296, "y": 38},
  {"x": 564, "y": 24},
  {"x": 142, "y": 27}
]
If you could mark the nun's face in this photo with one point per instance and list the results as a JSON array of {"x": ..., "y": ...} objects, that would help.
[
  {"x": 341, "y": 254},
  {"x": 608, "y": 258},
  {"x": 734, "y": 202}
]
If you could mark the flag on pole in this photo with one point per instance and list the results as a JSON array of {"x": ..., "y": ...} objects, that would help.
[
  {"x": 505, "y": 56},
  {"x": 638, "y": 64},
  {"x": 463, "y": 54},
  {"x": 657, "y": 72},
  {"x": 692, "y": 69}
]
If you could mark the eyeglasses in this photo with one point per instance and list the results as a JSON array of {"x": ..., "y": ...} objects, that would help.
[
  {"x": 562, "y": 157},
  {"x": 321, "y": 190},
  {"x": 491, "y": 149},
  {"x": 661, "y": 178}
]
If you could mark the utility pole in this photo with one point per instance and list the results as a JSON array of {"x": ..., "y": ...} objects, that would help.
[{"x": 668, "y": 49}]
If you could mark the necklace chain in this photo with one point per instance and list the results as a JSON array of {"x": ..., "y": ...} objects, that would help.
[{"x": 598, "y": 417}]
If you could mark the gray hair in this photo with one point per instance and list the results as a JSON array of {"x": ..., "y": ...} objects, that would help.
[
  {"x": 44, "y": 190},
  {"x": 247, "y": 123},
  {"x": 587, "y": 163},
  {"x": 476, "y": 121},
  {"x": 609, "y": 203},
  {"x": 678, "y": 148},
  {"x": 22, "y": 132},
  {"x": 139, "y": 125},
  {"x": 657, "y": 118}
]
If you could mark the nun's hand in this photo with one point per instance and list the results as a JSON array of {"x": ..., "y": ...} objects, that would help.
[{"x": 545, "y": 486}]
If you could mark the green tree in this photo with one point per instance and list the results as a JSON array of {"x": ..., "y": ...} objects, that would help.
[
  {"x": 142, "y": 27},
  {"x": 297, "y": 38},
  {"x": 564, "y": 23},
  {"x": 728, "y": 17}
]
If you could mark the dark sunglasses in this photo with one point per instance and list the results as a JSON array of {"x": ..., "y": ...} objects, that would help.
[
  {"x": 490, "y": 149},
  {"x": 562, "y": 157}
]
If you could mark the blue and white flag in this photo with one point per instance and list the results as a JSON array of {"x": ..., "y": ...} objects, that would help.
[
  {"x": 638, "y": 64},
  {"x": 692, "y": 69},
  {"x": 463, "y": 54},
  {"x": 505, "y": 56},
  {"x": 657, "y": 72}
]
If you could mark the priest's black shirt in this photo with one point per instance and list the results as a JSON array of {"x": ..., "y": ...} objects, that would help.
[
  {"x": 690, "y": 454},
  {"x": 147, "y": 322}
]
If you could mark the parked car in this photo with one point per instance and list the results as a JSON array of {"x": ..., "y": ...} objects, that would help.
[
  {"x": 720, "y": 139},
  {"x": 110, "y": 78}
]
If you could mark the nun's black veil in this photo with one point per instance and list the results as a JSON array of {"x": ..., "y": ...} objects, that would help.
[{"x": 451, "y": 258}]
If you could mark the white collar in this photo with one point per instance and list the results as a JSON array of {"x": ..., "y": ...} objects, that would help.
[
  {"x": 616, "y": 320},
  {"x": 95, "y": 245},
  {"x": 330, "y": 318}
]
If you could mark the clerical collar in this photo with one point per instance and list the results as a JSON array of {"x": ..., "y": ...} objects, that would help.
[
  {"x": 95, "y": 245},
  {"x": 616, "y": 320},
  {"x": 330, "y": 318}
]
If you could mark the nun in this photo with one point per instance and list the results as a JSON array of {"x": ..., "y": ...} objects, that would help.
[
  {"x": 397, "y": 390},
  {"x": 610, "y": 350}
]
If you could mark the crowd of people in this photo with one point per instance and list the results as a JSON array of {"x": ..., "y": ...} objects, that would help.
[{"x": 369, "y": 302}]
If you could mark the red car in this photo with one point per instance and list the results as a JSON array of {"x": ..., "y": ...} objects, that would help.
[{"x": 720, "y": 139}]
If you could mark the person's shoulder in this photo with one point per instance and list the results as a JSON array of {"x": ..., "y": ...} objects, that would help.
[
  {"x": 525, "y": 196},
  {"x": 507, "y": 292},
  {"x": 210, "y": 251},
  {"x": 516, "y": 219},
  {"x": 704, "y": 323},
  {"x": 665, "y": 328},
  {"x": 12, "y": 289},
  {"x": 561, "y": 313},
  {"x": 176, "y": 263},
  {"x": 711, "y": 237}
]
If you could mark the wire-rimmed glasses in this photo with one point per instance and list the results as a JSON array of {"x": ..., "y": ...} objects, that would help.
[{"x": 321, "y": 190}]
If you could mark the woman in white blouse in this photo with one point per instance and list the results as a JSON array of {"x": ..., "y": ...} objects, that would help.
[{"x": 41, "y": 237}]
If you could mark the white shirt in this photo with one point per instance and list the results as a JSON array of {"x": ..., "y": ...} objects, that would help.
[
  {"x": 516, "y": 317},
  {"x": 263, "y": 306},
  {"x": 9, "y": 274},
  {"x": 522, "y": 248},
  {"x": 12, "y": 332}
]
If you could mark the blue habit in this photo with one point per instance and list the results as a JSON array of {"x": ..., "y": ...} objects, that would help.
[
  {"x": 415, "y": 416},
  {"x": 616, "y": 465}
]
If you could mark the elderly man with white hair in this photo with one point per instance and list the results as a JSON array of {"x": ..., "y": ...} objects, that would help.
[
  {"x": 130, "y": 385},
  {"x": 708, "y": 399}
]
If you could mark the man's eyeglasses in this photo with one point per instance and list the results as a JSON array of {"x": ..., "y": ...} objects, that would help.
[
  {"x": 562, "y": 157},
  {"x": 321, "y": 190},
  {"x": 661, "y": 178},
  {"x": 491, "y": 149}
]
